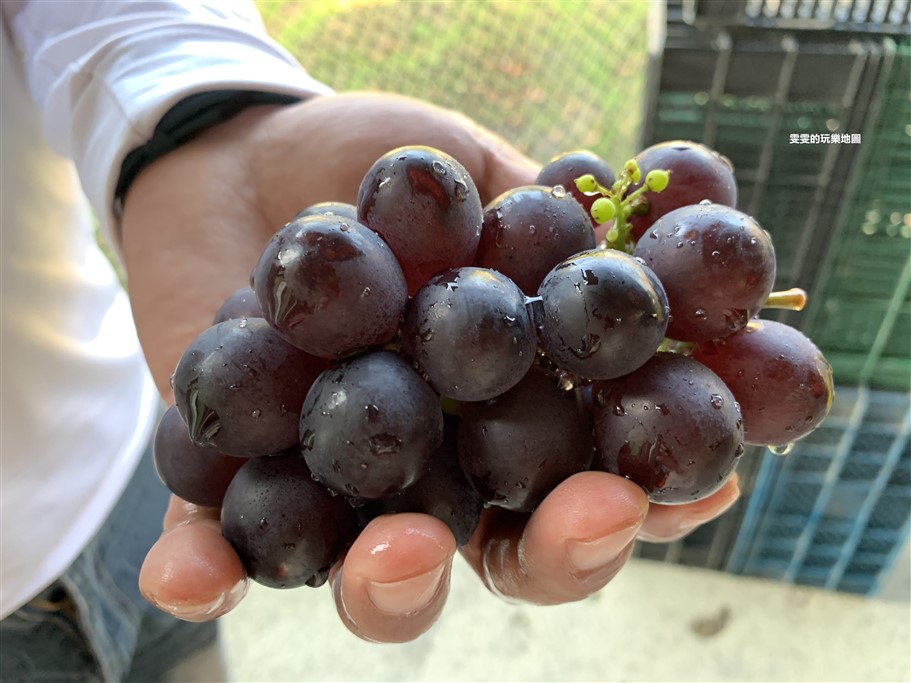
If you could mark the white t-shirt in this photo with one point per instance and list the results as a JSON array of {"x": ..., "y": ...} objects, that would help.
[{"x": 88, "y": 82}]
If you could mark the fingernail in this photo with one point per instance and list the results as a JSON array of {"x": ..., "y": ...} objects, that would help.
[
  {"x": 408, "y": 595},
  {"x": 203, "y": 611},
  {"x": 587, "y": 556}
]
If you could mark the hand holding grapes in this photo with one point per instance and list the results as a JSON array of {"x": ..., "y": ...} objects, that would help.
[{"x": 194, "y": 224}]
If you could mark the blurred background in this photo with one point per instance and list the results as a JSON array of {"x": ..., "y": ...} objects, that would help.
[{"x": 811, "y": 101}]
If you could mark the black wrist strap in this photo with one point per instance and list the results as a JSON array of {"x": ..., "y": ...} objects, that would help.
[{"x": 183, "y": 122}]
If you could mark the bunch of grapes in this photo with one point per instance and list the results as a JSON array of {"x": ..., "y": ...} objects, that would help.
[{"x": 421, "y": 352}]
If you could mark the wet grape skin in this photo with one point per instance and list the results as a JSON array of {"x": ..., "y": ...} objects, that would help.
[
  {"x": 717, "y": 266},
  {"x": 198, "y": 474},
  {"x": 469, "y": 332},
  {"x": 781, "y": 380},
  {"x": 604, "y": 314},
  {"x": 696, "y": 173},
  {"x": 340, "y": 209},
  {"x": 443, "y": 492},
  {"x": 241, "y": 303},
  {"x": 287, "y": 529},
  {"x": 516, "y": 448},
  {"x": 672, "y": 426},
  {"x": 369, "y": 426},
  {"x": 239, "y": 387},
  {"x": 424, "y": 204},
  {"x": 528, "y": 230},
  {"x": 565, "y": 168},
  {"x": 330, "y": 286}
]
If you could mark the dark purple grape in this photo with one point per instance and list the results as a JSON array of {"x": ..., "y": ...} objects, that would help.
[
  {"x": 198, "y": 474},
  {"x": 717, "y": 266},
  {"x": 340, "y": 209},
  {"x": 672, "y": 426},
  {"x": 781, "y": 380},
  {"x": 369, "y": 426},
  {"x": 443, "y": 492},
  {"x": 468, "y": 331},
  {"x": 241, "y": 304},
  {"x": 287, "y": 529},
  {"x": 696, "y": 173},
  {"x": 565, "y": 168},
  {"x": 426, "y": 207},
  {"x": 604, "y": 314},
  {"x": 239, "y": 387},
  {"x": 330, "y": 286},
  {"x": 516, "y": 448},
  {"x": 529, "y": 230}
]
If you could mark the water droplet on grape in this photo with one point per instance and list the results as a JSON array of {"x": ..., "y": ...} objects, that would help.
[
  {"x": 256, "y": 414},
  {"x": 308, "y": 439},
  {"x": 373, "y": 412},
  {"x": 427, "y": 335},
  {"x": 782, "y": 449},
  {"x": 717, "y": 401},
  {"x": 337, "y": 399},
  {"x": 439, "y": 168},
  {"x": 700, "y": 313},
  {"x": 705, "y": 202},
  {"x": 460, "y": 191},
  {"x": 716, "y": 254},
  {"x": 385, "y": 444},
  {"x": 263, "y": 523},
  {"x": 558, "y": 191},
  {"x": 588, "y": 346},
  {"x": 365, "y": 292}
]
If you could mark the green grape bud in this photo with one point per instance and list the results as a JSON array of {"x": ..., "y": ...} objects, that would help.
[
  {"x": 612, "y": 235},
  {"x": 603, "y": 210},
  {"x": 657, "y": 180},
  {"x": 587, "y": 183},
  {"x": 631, "y": 168}
]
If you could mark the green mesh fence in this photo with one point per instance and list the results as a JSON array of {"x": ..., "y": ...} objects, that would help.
[{"x": 548, "y": 76}]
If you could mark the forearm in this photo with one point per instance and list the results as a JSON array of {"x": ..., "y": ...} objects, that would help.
[{"x": 106, "y": 72}]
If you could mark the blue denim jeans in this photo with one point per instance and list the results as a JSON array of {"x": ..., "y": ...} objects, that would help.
[{"x": 92, "y": 624}]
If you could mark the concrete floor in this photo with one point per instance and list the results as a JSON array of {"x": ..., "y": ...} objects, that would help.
[{"x": 655, "y": 622}]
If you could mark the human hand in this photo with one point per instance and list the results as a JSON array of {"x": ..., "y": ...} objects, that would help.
[{"x": 195, "y": 222}]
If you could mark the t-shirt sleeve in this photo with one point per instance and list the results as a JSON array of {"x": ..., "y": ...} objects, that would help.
[{"x": 105, "y": 72}]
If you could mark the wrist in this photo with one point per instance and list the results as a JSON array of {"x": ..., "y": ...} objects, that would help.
[{"x": 185, "y": 121}]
